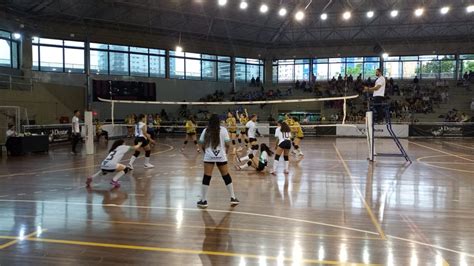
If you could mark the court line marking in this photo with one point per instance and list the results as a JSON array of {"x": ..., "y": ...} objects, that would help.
[
  {"x": 197, "y": 210},
  {"x": 367, "y": 207},
  {"x": 190, "y": 251},
  {"x": 432, "y": 164},
  {"x": 419, "y": 234},
  {"x": 262, "y": 231},
  {"x": 441, "y": 151},
  {"x": 76, "y": 168},
  {"x": 18, "y": 239},
  {"x": 455, "y": 144}
]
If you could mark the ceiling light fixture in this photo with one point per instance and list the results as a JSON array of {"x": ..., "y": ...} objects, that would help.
[
  {"x": 179, "y": 49},
  {"x": 282, "y": 12},
  {"x": 16, "y": 36},
  {"x": 370, "y": 14},
  {"x": 394, "y": 13},
  {"x": 299, "y": 15},
  {"x": 444, "y": 10},
  {"x": 346, "y": 15},
  {"x": 470, "y": 9},
  {"x": 384, "y": 55},
  {"x": 419, "y": 12},
  {"x": 243, "y": 5},
  {"x": 324, "y": 16},
  {"x": 263, "y": 8},
  {"x": 222, "y": 2}
]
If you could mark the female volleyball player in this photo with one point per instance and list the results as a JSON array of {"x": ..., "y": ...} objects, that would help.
[
  {"x": 111, "y": 164},
  {"x": 215, "y": 141},
  {"x": 258, "y": 163},
  {"x": 252, "y": 133},
  {"x": 232, "y": 128},
  {"x": 283, "y": 133},
  {"x": 299, "y": 135},
  {"x": 190, "y": 133},
  {"x": 141, "y": 136},
  {"x": 243, "y": 119}
]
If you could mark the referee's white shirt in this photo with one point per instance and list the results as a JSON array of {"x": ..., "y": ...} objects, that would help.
[{"x": 381, "y": 91}]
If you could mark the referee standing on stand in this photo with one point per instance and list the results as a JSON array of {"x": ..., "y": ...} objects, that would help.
[{"x": 378, "y": 95}]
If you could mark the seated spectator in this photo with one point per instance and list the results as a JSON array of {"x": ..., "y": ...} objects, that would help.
[
  {"x": 11, "y": 132},
  {"x": 465, "y": 76},
  {"x": 258, "y": 81},
  {"x": 416, "y": 80},
  {"x": 297, "y": 84},
  {"x": 465, "y": 117}
]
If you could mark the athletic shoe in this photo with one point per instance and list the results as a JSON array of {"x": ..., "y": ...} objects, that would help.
[
  {"x": 182, "y": 150},
  {"x": 293, "y": 152},
  {"x": 273, "y": 172},
  {"x": 301, "y": 153},
  {"x": 234, "y": 202},
  {"x": 202, "y": 204},
  {"x": 88, "y": 181},
  {"x": 198, "y": 150},
  {"x": 237, "y": 167},
  {"x": 115, "y": 184},
  {"x": 149, "y": 165},
  {"x": 238, "y": 159},
  {"x": 130, "y": 166}
]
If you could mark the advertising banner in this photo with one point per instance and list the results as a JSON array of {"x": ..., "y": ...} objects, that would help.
[{"x": 359, "y": 130}]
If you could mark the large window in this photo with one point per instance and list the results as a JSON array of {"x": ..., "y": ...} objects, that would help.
[
  {"x": 8, "y": 50},
  {"x": 291, "y": 70},
  {"x": 247, "y": 68},
  {"x": 111, "y": 59},
  {"x": 423, "y": 67},
  {"x": 466, "y": 63},
  {"x": 194, "y": 66},
  {"x": 327, "y": 68},
  {"x": 58, "y": 55}
]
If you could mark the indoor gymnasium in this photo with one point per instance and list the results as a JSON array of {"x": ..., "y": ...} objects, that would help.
[{"x": 237, "y": 132}]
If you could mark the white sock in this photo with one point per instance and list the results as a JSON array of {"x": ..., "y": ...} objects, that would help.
[
  {"x": 244, "y": 166},
  {"x": 96, "y": 174},
  {"x": 204, "y": 189},
  {"x": 275, "y": 166},
  {"x": 246, "y": 158},
  {"x": 118, "y": 175},
  {"x": 287, "y": 165},
  {"x": 132, "y": 160},
  {"x": 147, "y": 160},
  {"x": 230, "y": 188}
]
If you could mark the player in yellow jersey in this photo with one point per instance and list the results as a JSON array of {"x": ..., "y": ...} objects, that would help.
[
  {"x": 190, "y": 127},
  {"x": 231, "y": 124},
  {"x": 299, "y": 135},
  {"x": 243, "y": 119}
]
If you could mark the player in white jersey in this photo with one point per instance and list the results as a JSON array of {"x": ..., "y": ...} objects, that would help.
[
  {"x": 141, "y": 136},
  {"x": 215, "y": 143},
  {"x": 258, "y": 163},
  {"x": 283, "y": 135},
  {"x": 252, "y": 133},
  {"x": 111, "y": 164}
]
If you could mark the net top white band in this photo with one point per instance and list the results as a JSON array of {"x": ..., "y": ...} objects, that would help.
[{"x": 233, "y": 103}]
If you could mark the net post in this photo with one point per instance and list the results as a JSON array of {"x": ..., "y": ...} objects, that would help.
[
  {"x": 369, "y": 122},
  {"x": 344, "y": 110},
  {"x": 89, "y": 128}
]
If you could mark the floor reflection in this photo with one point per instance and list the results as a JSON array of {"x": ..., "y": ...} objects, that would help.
[{"x": 216, "y": 239}]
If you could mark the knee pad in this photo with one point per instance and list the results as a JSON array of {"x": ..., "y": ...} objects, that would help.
[
  {"x": 296, "y": 147},
  {"x": 136, "y": 154},
  {"x": 293, "y": 143},
  {"x": 249, "y": 163},
  {"x": 206, "y": 180},
  {"x": 277, "y": 157},
  {"x": 233, "y": 142},
  {"x": 147, "y": 153},
  {"x": 126, "y": 169},
  {"x": 227, "y": 179},
  {"x": 251, "y": 156},
  {"x": 240, "y": 141},
  {"x": 185, "y": 142},
  {"x": 246, "y": 141},
  {"x": 195, "y": 142},
  {"x": 255, "y": 147},
  {"x": 286, "y": 158}
]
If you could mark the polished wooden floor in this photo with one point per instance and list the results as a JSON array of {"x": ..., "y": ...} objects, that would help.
[{"x": 333, "y": 208}]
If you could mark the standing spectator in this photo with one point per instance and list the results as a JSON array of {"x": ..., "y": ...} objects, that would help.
[
  {"x": 252, "y": 82},
  {"x": 76, "y": 131},
  {"x": 416, "y": 80},
  {"x": 258, "y": 81}
]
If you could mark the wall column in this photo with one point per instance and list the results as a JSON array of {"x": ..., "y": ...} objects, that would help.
[
  {"x": 268, "y": 68},
  {"x": 26, "y": 56}
]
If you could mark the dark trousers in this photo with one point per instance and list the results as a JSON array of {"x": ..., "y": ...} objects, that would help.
[
  {"x": 379, "y": 108},
  {"x": 103, "y": 133},
  {"x": 75, "y": 139}
]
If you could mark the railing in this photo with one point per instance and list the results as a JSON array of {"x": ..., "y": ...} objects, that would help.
[{"x": 11, "y": 82}]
